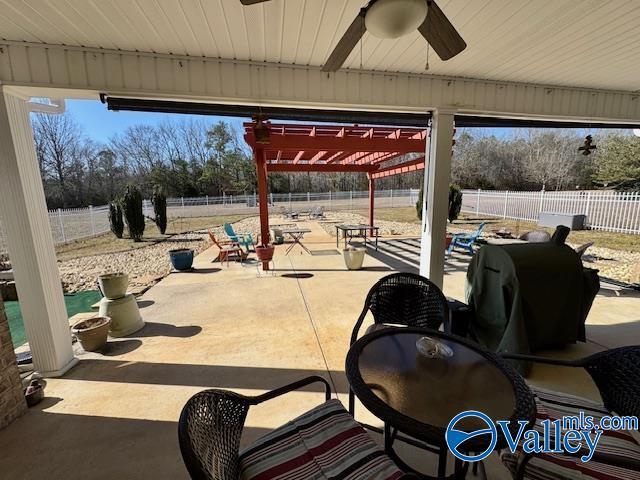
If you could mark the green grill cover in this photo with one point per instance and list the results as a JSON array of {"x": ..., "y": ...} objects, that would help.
[{"x": 529, "y": 297}]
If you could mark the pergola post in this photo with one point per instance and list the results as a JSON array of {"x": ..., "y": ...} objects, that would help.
[
  {"x": 372, "y": 201},
  {"x": 263, "y": 201},
  {"x": 25, "y": 221},
  {"x": 436, "y": 197}
]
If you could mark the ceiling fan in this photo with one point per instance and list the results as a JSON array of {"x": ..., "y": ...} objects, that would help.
[{"x": 393, "y": 19}]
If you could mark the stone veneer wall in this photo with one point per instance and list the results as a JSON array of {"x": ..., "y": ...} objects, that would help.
[{"x": 12, "y": 403}]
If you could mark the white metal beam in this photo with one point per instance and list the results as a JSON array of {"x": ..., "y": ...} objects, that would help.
[
  {"x": 25, "y": 220},
  {"x": 219, "y": 80}
]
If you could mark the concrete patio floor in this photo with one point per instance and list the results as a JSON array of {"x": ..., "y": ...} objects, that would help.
[{"x": 115, "y": 415}]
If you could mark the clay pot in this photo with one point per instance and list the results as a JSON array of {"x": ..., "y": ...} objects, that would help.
[
  {"x": 113, "y": 285},
  {"x": 181, "y": 258},
  {"x": 92, "y": 333},
  {"x": 354, "y": 257},
  {"x": 265, "y": 252},
  {"x": 447, "y": 241}
]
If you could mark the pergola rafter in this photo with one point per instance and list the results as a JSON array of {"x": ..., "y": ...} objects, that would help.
[{"x": 330, "y": 148}]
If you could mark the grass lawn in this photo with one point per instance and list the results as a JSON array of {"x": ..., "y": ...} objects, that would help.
[
  {"x": 108, "y": 243},
  {"x": 616, "y": 241}
]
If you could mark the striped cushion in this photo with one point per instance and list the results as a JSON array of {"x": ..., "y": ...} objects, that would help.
[
  {"x": 616, "y": 445},
  {"x": 324, "y": 443}
]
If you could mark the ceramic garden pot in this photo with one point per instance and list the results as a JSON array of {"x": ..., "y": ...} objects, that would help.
[
  {"x": 92, "y": 333},
  {"x": 354, "y": 257},
  {"x": 181, "y": 258},
  {"x": 113, "y": 285}
]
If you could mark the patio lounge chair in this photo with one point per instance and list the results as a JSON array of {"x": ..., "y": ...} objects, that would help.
[
  {"x": 466, "y": 241},
  {"x": 243, "y": 239},
  {"x": 402, "y": 299},
  {"x": 616, "y": 374},
  {"x": 211, "y": 425},
  {"x": 227, "y": 249},
  {"x": 316, "y": 213}
]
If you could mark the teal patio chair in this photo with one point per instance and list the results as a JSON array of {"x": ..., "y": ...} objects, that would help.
[
  {"x": 465, "y": 241},
  {"x": 243, "y": 239}
]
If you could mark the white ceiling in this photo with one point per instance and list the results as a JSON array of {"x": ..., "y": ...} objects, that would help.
[{"x": 588, "y": 43}]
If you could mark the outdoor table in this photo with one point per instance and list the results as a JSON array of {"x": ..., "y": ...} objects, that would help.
[
  {"x": 296, "y": 235},
  {"x": 351, "y": 231},
  {"x": 418, "y": 395}
]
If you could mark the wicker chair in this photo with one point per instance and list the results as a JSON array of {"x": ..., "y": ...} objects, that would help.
[
  {"x": 403, "y": 299},
  {"x": 616, "y": 374},
  {"x": 211, "y": 425}
]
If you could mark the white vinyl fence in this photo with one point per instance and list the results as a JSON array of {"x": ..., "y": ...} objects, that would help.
[
  {"x": 72, "y": 224},
  {"x": 605, "y": 210}
]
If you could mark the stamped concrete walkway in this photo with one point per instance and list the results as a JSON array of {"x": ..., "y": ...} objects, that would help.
[{"x": 115, "y": 415}]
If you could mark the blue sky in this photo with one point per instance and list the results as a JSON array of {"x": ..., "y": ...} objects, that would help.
[{"x": 101, "y": 124}]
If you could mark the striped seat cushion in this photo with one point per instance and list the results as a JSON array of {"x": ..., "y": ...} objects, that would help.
[
  {"x": 324, "y": 443},
  {"x": 613, "y": 449}
]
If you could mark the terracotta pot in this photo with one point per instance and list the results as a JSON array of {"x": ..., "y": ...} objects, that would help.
[
  {"x": 265, "y": 252},
  {"x": 92, "y": 333},
  {"x": 447, "y": 241},
  {"x": 113, "y": 285}
]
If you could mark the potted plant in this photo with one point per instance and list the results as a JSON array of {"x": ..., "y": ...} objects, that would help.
[
  {"x": 181, "y": 258},
  {"x": 113, "y": 285},
  {"x": 447, "y": 241},
  {"x": 92, "y": 333},
  {"x": 265, "y": 252},
  {"x": 354, "y": 257}
]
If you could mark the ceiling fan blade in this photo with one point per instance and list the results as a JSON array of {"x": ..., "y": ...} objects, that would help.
[
  {"x": 440, "y": 34},
  {"x": 252, "y": 2},
  {"x": 346, "y": 44}
]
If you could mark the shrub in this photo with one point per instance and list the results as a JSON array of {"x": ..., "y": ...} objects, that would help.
[
  {"x": 159, "y": 201},
  {"x": 455, "y": 202},
  {"x": 115, "y": 219},
  {"x": 133, "y": 215}
]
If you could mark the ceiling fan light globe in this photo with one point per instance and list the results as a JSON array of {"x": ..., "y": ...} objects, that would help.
[{"x": 395, "y": 18}]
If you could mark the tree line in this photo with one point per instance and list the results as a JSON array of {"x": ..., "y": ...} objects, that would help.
[{"x": 190, "y": 158}]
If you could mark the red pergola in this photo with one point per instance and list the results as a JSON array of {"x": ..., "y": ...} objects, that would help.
[{"x": 331, "y": 148}]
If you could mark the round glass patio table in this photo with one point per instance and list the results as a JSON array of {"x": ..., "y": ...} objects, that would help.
[{"x": 418, "y": 395}]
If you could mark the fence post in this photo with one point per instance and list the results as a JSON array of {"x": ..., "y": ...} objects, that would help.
[
  {"x": 207, "y": 199},
  {"x": 478, "y": 203},
  {"x": 64, "y": 237},
  {"x": 541, "y": 201},
  {"x": 586, "y": 208},
  {"x": 271, "y": 197},
  {"x": 308, "y": 197},
  {"x": 506, "y": 199},
  {"x": 93, "y": 226},
  {"x": 289, "y": 200},
  {"x": 182, "y": 201},
  {"x": 350, "y": 199},
  {"x": 329, "y": 198},
  {"x": 392, "y": 197}
]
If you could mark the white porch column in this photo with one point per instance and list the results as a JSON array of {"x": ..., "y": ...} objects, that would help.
[
  {"x": 25, "y": 221},
  {"x": 436, "y": 196}
]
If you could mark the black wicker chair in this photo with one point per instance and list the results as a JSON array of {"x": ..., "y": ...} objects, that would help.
[
  {"x": 211, "y": 425},
  {"x": 616, "y": 374},
  {"x": 403, "y": 299}
]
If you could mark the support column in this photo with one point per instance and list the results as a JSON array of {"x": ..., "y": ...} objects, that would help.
[
  {"x": 372, "y": 200},
  {"x": 263, "y": 202},
  {"x": 436, "y": 196},
  {"x": 25, "y": 220}
]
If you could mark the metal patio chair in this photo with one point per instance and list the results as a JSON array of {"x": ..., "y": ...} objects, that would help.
[
  {"x": 211, "y": 425},
  {"x": 616, "y": 374}
]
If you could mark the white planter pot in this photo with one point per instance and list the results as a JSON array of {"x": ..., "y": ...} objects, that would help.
[
  {"x": 354, "y": 257},
  {"x": 113, "y": 285}
]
